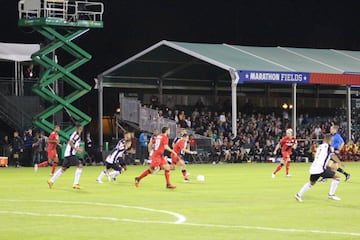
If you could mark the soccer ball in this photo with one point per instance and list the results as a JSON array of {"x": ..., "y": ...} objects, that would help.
[{"x": 200, "y": 178}]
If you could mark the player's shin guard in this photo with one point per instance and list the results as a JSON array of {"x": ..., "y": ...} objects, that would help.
[
  {"x": 43, "y": 164},
  {"x": 167, "y": 177},
  {"x": 78, "y": 172},
  {"x": 287, "y": 167},
  {"x": 334, "y": 185},
  {"x": 184, "y": 173},
  {"x": 102, "y": 174},
  {"x": 57, "y": 174},
  {"x": 340, "y": 170},
  {"x": 53, "y": 168},
  {"x": 304, "y": 189},
  {"x": 144, "y": 174},
  {"x": 278, "y": 168}
]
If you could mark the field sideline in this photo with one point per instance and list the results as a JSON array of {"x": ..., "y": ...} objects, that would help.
[{"x": 236, "y": 201}]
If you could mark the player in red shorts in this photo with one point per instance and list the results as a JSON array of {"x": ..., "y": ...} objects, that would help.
[
  {"x": 161, "y": 143},
  {"x": 53, "y": 141},
  {"x": 287, "y": 144},
  {"x": 180, "y": 149}
]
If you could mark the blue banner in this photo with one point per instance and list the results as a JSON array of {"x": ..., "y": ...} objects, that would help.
[{"x": 274, "y": 77}]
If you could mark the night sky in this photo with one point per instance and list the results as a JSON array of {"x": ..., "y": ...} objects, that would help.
[{"x": 133, "y": 25}]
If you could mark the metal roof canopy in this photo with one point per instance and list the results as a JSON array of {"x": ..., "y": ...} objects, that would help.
[{"x": 200, "y": 66}]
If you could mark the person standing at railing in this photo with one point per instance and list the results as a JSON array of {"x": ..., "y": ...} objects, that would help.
[
  {"x": 17, "y": 148},
  {"x": 5, "y": 147},
  {"x": 28, "y": 147},
  {"x": 143, "y": 142}
]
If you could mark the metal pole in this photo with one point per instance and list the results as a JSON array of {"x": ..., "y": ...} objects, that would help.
[
  {"x": 233, "y": 109},
  {"x": 101, "y": 113},
  {"x": 348, "y": 100},
  {"x": 293, "y": 96},
  {"x": 234, "y": 81},
  {"x": 16, "y": 81}
]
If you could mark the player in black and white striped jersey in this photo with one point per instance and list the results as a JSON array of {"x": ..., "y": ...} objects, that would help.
[
  {"x": 115, "y": 160},
  {"x": 70, "y": 158}
]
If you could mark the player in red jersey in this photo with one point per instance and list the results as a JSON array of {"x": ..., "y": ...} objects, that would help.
[
  {"x": 180, "y": 149},
  {"x": 53, "y": 141},
  {"x": 287, "y": 144},
  {"x": 161, "y": 143}
]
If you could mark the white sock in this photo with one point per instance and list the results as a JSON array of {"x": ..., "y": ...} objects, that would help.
[
  {"x": 77, "y": 175},
  {"x": 304, "y": 189},
  {"x": 102, "y": 174},
  {"x": 334, "y": 185},
  {"x": 57, "y": 174},
  {"x": 114, "y": 174}
]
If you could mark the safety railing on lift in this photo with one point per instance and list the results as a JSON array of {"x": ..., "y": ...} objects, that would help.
[{"x": 62, "y": 9}]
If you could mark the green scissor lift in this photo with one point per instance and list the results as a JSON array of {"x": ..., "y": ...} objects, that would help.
[{"x": 60, "y": 22}]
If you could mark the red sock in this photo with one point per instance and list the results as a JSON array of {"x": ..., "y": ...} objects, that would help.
[
  {"x": 184, "y": 172},
  {"x": 287, "y": 167},
  {"x": 54, "y": 167},
  {"x": 144, "y": 174},
  {"x": 43, "y": 164},
  {"x": 278, "y": 168},
  {"x": 167, "y": 177}
]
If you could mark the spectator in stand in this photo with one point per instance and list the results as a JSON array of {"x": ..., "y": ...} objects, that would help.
[
  {"x": 317, "y": 132},
  {"x": 17, "y": 148},
  {"x": 28, "y": 142},
  {"x": 130, "y": 157},
  {"x": 5, "y": 147},
  {"x": 143, "y": 142},
  {"x": 188, "y": 122},
  {"x": 36, "y": 149},
  {"x": 226, "y": 150},
  {"x": 43, "y": 144}
]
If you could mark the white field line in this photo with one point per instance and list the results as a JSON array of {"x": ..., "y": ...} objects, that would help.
[{"x": 181, "y": 219}]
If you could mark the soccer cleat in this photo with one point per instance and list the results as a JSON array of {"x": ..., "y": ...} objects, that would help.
[
  {"x": 50, "y": 183},
  {"x": 298, "y": 198},
  {"x": 288, "y": 175},
  {"x": 36, "y": 167},
  {"x": 76, "y": 186},
  {"x": 137, "y": 182},
  {"x": 113, "y": 179},
  {"x": 347, "y": 178},
  {"x": 186, "y": 180},
  {"x": 99, "y": 181},
  {"x": 169, "y": 186},
  {"x": 273, "y": 175},
  {"x": 335, "y": 198}
]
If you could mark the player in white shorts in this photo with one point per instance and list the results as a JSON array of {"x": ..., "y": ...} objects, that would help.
[{"x": 319, "y": 168}]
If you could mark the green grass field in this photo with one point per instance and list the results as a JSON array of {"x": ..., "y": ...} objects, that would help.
[{"x": 236, "y": 201}]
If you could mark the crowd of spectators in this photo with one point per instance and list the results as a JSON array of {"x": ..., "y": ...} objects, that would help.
[
  {"x": 259, "y": 132},
  {"x": 257, "y": 135},
  {"x": 24, "y": 149},
  {"x": 30, "y": 148}
]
